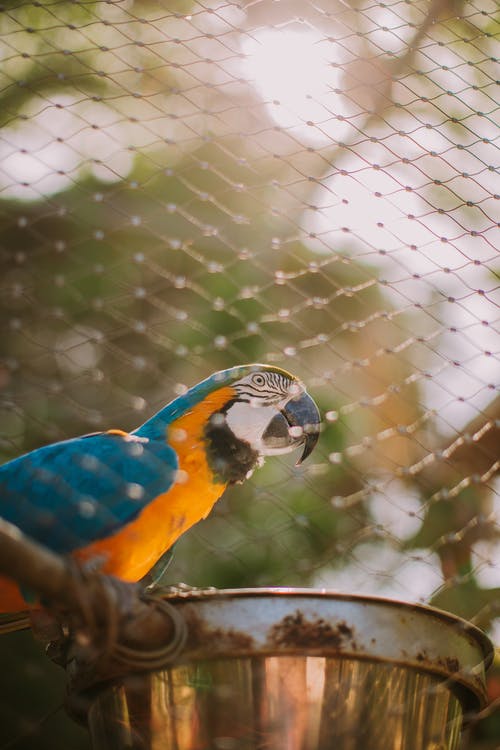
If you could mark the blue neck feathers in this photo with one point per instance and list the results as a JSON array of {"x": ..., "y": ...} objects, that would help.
[{"x": 155, "y": 428}]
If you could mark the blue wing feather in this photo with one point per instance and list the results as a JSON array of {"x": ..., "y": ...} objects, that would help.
[{"x": 72, "y": 493}]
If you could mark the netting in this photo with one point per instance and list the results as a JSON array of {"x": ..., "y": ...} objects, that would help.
[{"x": 189, "y": 186}]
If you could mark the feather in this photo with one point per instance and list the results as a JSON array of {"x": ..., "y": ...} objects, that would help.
[{"x": 72, "y": 493}]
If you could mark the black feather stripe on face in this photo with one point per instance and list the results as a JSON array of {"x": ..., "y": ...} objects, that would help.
[
  {"x": 268, "y": 386},
  {"x": 230, "y": 458}
]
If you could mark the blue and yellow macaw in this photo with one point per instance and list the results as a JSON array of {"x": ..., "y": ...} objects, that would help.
[{"x": 120, "y": 500}]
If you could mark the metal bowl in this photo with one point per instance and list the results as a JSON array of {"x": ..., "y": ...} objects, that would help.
[{"x": 299, "y": 669}]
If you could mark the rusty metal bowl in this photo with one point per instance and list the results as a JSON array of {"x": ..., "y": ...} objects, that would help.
[{"x": 300, "y": 669}]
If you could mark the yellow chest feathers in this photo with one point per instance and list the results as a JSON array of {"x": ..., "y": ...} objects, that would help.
[{"x": 131, "y": 552}]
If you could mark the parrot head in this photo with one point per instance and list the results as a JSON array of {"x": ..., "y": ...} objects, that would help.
[{"x": 267, "y": 412}]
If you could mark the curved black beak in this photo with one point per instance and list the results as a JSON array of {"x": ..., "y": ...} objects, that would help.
[{"x": 298, "y": 423}]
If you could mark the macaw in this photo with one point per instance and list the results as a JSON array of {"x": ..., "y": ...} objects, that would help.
[{"x": 119, "y": 500}]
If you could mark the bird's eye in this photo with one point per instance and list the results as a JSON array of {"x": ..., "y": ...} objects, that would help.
[{"x": 258, "y": 380}]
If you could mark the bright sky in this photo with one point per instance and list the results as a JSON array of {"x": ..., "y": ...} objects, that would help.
[{"x": 428, "y": 256}]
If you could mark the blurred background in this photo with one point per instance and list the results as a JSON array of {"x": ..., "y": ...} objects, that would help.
[{"x": 189, "y": 186}]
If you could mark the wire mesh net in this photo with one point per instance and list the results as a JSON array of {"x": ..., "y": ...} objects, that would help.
[{"x": 189, "y": 186}]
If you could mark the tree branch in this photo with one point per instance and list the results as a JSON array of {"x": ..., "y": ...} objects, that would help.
[{"x": 113, "y": 626}]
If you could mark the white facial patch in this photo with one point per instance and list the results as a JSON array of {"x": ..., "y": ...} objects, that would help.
[{"x": 249, "y": 422}]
